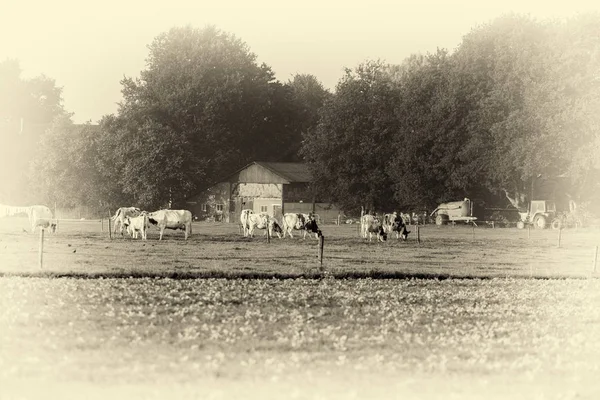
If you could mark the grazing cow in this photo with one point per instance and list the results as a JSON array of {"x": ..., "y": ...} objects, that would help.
[
  {"x": 388, "y": 221},
  {"x": 262, "y": 221},
  {"x": 244, "y": 220},
  {"x": 395, "y": 223},
  {"x": 372, "y": 225},
  {"x": 172, "y": 219},
  {"x": 41, "y": 216},
  {"x": 138, "y": 224},
  {"x": 121, "y": 215},
  {"x": 400, "y": 228},
  {"x": 304, "y": 222}
]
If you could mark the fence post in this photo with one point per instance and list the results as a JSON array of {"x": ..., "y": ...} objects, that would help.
[
  {"x": 595, "y": 258},
  {"x": 109, "y": 227},
  {"x": 268, "y": 227},
  {"x": 41, "y": 259},
  {"x": 102, "y": 224},
  {"x": 473, "y": 232},
  {"x": 321, "y": 245},
  {"x": 559, "y": 235},
  {"x": 360, "y": 229},
  {"x": 418, "y": 235}
]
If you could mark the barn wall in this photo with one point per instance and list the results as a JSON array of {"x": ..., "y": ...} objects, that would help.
[
  {"x": 257, "y": 190},
  {"x": 326, "y": 212},
  {"x": 217, "y": 195},
  {"x": 257, "y": 174},
  {"x": 296, "y": 192}
]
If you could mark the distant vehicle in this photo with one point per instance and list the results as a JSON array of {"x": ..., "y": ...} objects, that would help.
[
  {"x": 455, "y": 211},
  {"x": 542, "y": 214}
]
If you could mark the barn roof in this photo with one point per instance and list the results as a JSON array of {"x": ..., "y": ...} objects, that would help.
[{"x": 290, "y": 171}]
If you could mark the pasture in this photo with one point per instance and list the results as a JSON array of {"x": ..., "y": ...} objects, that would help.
[{"x": 125, "y": 319}]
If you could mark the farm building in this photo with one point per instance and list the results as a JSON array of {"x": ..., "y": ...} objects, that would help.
[{"x": 272, "y": 187}]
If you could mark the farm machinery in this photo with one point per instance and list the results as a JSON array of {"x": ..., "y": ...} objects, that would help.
[
  {"x": 455, "y": 211},
  {"x": 542, "y": 214}
]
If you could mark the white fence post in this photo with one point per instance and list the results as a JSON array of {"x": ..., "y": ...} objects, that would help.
[{"x": 41, "y": 258}]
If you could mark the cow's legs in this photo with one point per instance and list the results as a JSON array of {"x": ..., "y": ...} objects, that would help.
[{"x": 161, "y": 233}]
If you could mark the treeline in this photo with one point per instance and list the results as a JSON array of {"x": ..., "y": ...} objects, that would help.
[{"x": 518, "y": 100}]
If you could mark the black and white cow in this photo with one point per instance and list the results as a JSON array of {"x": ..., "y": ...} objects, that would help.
[{"x": 373, "y": 225}]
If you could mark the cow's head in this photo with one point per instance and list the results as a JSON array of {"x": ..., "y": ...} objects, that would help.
[
  {"x": 311, "y": 226},
  {"x": 276, "y": 228},
  {"x": 404, "y": 233},
  {"x": 301, "y": 221}
]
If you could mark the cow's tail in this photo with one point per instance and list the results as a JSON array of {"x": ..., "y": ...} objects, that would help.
[{"x": 114, "y": 218}]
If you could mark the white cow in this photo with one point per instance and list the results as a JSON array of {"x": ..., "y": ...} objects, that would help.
[
  {"x": 120, "y": 217},
  {"x": 261, "y": 221},
  {"x": 304, "y": 222},
  {"x": 172, "y": 219},
  {"x": 138, "y": 224},
  {"x": 244, "y": 220},
  {"x": 41, "y": 216}
]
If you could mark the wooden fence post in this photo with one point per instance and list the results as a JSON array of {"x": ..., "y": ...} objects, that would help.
[
  {"x": 268, "y": 227},
  {"x": 102, "y": 224},
  {"x": 321, "y": 245},
  {"x": 41, "y": 258},
  {"x": 418, "y": 235},
  {"x": 473, "y": 232},
  {"x": 109, "y": 227},
  {"x": 362, "y": 212}
]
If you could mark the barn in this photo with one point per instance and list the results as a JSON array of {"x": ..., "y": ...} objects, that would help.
[{"x": 272, "y": 187}]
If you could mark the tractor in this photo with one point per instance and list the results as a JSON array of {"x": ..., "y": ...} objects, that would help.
[{"x": 541, "y": 214}]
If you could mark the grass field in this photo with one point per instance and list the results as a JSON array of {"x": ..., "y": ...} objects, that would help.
[
  {"x": 141, "y": 329},
  {"x": 218, "y": 250}
]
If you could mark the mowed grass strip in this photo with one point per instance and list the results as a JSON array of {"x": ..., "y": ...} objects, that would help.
[
  {"x": 217, "y": 250},
  {"x": 502, "y": 338}
]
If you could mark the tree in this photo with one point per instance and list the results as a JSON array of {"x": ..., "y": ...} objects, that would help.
[
  {"x": 202, "y": 108},
  {"x": 307, "y": 96},
  {"x": 27, "y": 107},
  {"x": 348, "y": 151},
  {"x": 532, "y": 92},
  {"x": 69, "y": 167},
  {"x": 428, "y": 141}
]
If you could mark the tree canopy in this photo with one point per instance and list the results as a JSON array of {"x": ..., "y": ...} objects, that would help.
[
  {"x": 517, "y": 101},
  {"x": 27, "y": 107}
]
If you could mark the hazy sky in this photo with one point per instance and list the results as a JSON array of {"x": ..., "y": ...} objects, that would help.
[{"x": 87, "y": 49}]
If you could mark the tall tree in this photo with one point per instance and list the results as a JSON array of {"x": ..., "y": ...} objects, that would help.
[
  {"x": 202, "y": 107},
  {"x": 27, "y": 107},
  {"x": 308, "y": 96},
  {"x": 348, "y": 151}
]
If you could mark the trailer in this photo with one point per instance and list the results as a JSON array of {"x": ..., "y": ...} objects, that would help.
[{"x": 455, "y": 211}]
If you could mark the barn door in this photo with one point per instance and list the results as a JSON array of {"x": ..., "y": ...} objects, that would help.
[{"x": 277, "y": 212}]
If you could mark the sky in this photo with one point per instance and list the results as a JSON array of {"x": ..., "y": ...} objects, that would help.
[{"x": 88, "y": 47}]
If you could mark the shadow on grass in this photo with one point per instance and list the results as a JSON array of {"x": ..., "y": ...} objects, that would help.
[{"x": 245, "y": 274}]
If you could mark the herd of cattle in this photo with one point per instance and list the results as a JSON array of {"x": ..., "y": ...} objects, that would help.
[{"x": 136, "y": 222}]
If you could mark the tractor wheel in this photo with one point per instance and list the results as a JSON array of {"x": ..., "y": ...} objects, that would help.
[
  {"x": 441, "y": 220},
  {"x": 557, "y": 224},
  {"x": 540, "y": 222},
  {"x": 520, "y": 225}
]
